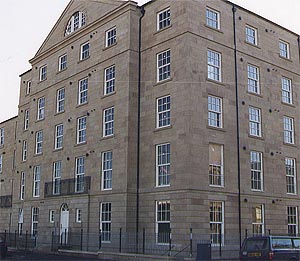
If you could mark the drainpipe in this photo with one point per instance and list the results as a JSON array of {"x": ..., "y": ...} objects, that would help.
[
  {"x": 237, "y": 124},
  {"x": 299, "y": 46},
  {"x": 138, "y": 132}
]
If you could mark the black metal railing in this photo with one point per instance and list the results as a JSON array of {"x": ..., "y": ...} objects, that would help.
[
  {"x": 6, "y": 201},
  {"x": 79, "y": 185}
]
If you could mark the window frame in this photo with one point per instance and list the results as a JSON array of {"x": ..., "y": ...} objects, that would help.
[
  {"x": 257, "y": 177},
  {"x": 255, "y": 223},
  {"x": 165, "y": 22},
  {"x": 109, "y": 83},
  {"x": 39, "y": 138},
  {"x": 163, "y": 112},
  {"x": 83, "y": 87},
  {"x": 62, "y": 62},
  {"x": 20, "y": 222},
  {"x": 163, "y": 66},
  {"x": 284, "y": 53},
  {"x": 108, "y": 121},
  {"x": 56, "y": 177},
  {"x": 288, "y": 133},
  {"x": 78, "y": 215},
  {"x": 26, "y": 120},
  {"x": 43, "y": 73},
  {"x": 211, "y": 166},
  {"x": 253, "y": 82},
  {"x": 162, "y": 219},
  {"x": 291, "y": 176},
  {"x": 24, "y": 150},
  {"x": 22, "y": 185},
  {"x": 71, "y": 28},
  {"x": 60, "y": 100},
  {"x": 28, "y": 87},
  {"x": 79, "y": 174},
  {"x": 255, "y": 122},
  {"x": 210, "y": 22},
  {"x": 217, "y": 120},
  {"x": 111, "y": 40},
  {"x": 41, "y": 104},
  {"x": 107, "y": 170},
  {"x": 85, "y": 51},
  {"x": 51, "y": 216},
  {"x": 286, "y": 90},
  {"x": 34, "y": 221},
  {"x": 248, "y": 37},
  {"x": 2, "y": 137},
  {"x": 36, "y": 181},
  {"x": 106, "y": 221},
  {"x": 163, "y": 165},
  {"x": 59, "y": 136},
  {"x": 81, "y": 130},
  {"x": 214, "y": 65},
  {"x": 216, "y": 224},
  {"x": 292, "y": 217}
]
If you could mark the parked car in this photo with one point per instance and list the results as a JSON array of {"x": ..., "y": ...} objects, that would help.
[
  {"x": 3, "y": 248},
  {"x": 271, "y": 248}
]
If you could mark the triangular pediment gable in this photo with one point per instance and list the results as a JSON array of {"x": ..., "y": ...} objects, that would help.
[{"x": 93, "y": 10}]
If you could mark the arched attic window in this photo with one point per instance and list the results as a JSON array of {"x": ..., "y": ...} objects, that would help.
[{"x": 77, "y": 20}]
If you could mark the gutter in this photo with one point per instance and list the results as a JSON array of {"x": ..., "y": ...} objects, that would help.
[
  {"x": 237, "y": 124},
  {"x": 139, "y": 132}
]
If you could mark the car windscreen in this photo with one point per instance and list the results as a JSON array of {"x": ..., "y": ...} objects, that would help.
[
  {"x": 256, "y": 244},
  {"x": 296, "y": 242},
  {"x": 282, "y": 243}
]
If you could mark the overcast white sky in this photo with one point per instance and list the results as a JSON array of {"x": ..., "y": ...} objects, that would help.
[{"x": 25, "y": 25}]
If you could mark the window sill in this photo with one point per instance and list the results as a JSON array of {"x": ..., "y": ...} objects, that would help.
[
  {"x": 60, "y": 71},
  {"x": 255, "y": 94},
  {"x": 82, "y": 104},
  {"x": 217, "y": 186},
  {"x": 163, "y": 29},
  {"x": 40, "y": 81},
  {"x": 80, "y": 144},
  {"x": 82, "y": 60},
  {"x": 288, "y": 104},
  {"x": 108, "y": 47},
  {"x": 215, "y": 128},
  {"x": 256, "y": 190},
  {"x": 256, "y": 137},
  {"x": 39, "y": 120},
  {"x": 290, "y": 144},
  {"x": 163, "y": 128},
  {"x": 106, "y": 190},
  {"x": 163, "y": 186},
  {"x": 253, "y": 45},
  {"x": 60, "y": 149},
  {"x": 214, "y": 81},
  {"x": 292, "y": 194},
  {"x": 214, "y": 29},
  {"x": 108, "y": 95},
  {"x": 286, "y": 59},
  {"x": 38, "y": 155},
  {"x": 58, "y": 113},
  {"x": 163, "y": 81},
  {"x": 107, "y": 137}
]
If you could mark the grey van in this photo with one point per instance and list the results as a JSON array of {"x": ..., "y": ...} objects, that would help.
[{"x": 271, "y": 248}]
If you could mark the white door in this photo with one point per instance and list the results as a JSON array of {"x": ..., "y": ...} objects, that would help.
[{"x": 64, "y": 223}]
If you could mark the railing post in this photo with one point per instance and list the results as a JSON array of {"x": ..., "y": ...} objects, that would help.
[
  {"x": 220, "y": 241},
  {"x": 52, "y": 241},
  {"x": 269, "y": 231},
  {"x": 191, "y": 242},
  {"x": 81, "y": 239},
  {"x": 100, "y": 239},
  {"x": 35, "y": 240},
  {"x": 246, "y": 233},
  {"x": 15, "y": 238},
  {"x": 65, "y": 237},
  {"x": 26, "y": 239},
  {"x": 144, "y": 240},
  {"x": 120, "y": 240},
  {"x": 5, "y": 235},
  {"x": 170, "y": 242}
]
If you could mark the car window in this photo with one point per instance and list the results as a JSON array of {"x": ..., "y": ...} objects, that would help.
[
  {"x": 296, "y": 242},
  {"x": 278, "y": 243},
  {"x": 256, "y": 244}
]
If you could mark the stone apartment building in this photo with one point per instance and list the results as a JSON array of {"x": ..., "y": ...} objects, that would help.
[{"x": 173, "y": 115}]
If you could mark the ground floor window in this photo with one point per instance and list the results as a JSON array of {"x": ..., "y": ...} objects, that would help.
[
  {"x": 20, "y": 222},
  {"x": 216, "y": 213},
  {"x": 292, "y": 220},
  {"x": 163, "y": 223},
  {"x": 105, "y": 222},
  {"x": 258, "y": 220},
  {"x": 34, "y": 221}
]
